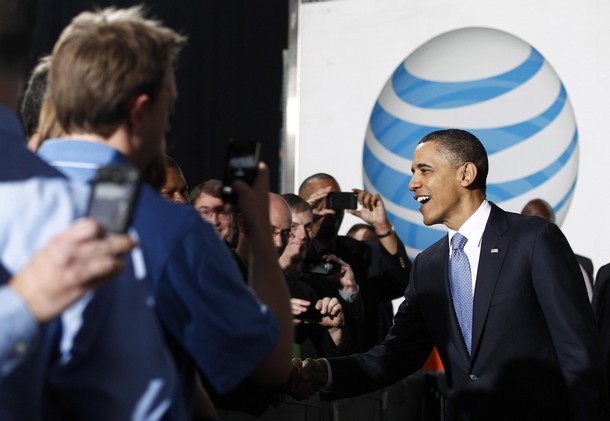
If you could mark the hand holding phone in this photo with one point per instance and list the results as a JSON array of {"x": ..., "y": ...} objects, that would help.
[
  {"x": 241, "y": 163},
  {"x": 113, "y": 197},
  {"x": 319, "y": 266},
  {"x": 311, "y": 315},
  {"x": 342, "y": 200}
]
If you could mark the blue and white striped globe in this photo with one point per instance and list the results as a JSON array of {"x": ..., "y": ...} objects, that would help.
[{"x": 494, "y": 85}]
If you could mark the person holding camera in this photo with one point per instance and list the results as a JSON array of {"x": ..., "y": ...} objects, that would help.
[
  {"x": 319, "y": 321},
  {"x": 381, "y": 268},
  {"x": 308, "y": 309}
]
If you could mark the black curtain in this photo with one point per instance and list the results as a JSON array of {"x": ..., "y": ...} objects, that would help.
[{"x": 229, "y": 76}]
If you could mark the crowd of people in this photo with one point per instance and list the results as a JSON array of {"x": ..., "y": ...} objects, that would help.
[{"x": 210, "y": 310}]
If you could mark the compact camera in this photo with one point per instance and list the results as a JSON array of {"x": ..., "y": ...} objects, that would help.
[
  {"x": 113, "y": 196},
  {"x": 319, "y": 266}
]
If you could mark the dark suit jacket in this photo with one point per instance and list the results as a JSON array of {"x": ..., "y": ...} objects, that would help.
[
  {"x": 536, "y": 353},
  {"x": 601, "y": 308}
]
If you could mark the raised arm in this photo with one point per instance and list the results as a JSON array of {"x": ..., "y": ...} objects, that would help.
[{"x": 265, "y": 277}]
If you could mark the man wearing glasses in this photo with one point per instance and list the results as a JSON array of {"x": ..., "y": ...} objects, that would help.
[{"x": 207, "y": 201}]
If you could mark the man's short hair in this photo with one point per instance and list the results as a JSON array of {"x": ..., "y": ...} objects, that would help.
[
  {"x": 17, "y": 25},
  {"x": 104, "y": 59},
  {"x": 211, "y": 187},
  {"x": 316, "y": 177},
  {"x": 31, "y": 103},
  {"x": 541, "y": 208},
  {"x": 357, "y": 227},
  {"x": 458, "y": 147},
  {"x": 171, "y": 163},
  {"x": 296, "y": 203}
]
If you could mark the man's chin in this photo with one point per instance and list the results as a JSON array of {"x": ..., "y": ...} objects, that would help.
[{"x": 428, "y": 220}]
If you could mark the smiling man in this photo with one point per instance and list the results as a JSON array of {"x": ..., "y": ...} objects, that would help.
[{"x": 508, "y": 310}]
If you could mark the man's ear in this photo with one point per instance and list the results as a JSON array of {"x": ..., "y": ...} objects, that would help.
[
  {"x": 138, "y": 107},
  {"x": 34, "y": 142},
  {"x": 469, "y": 174}
]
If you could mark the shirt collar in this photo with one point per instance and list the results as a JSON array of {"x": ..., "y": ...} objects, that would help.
[
  {"x": 475, "y": 225},
  {"x": 79, "y": 159}
]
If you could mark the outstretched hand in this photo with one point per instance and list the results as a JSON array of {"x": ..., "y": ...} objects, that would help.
[{"x": 307, "y": 378}]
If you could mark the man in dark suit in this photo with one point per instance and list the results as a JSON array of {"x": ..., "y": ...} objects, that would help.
[
  {"x": 529, "y": 351},
  {"x": 601, "y": 309}
]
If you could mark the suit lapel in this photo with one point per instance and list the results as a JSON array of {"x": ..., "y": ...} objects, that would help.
[{"x": 494, "y": 247}]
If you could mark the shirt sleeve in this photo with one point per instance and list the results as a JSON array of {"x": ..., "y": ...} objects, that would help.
[
  {"x": 19, "y": 330},
  {"x": 217, "y": 318},
  {"x": 350, "y": 297}
]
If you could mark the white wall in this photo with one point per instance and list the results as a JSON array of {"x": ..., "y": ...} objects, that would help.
[{"x": 349, "y": 48}]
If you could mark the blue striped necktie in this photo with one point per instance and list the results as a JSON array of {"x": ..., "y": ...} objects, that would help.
[{"x": 460, "y": 281}]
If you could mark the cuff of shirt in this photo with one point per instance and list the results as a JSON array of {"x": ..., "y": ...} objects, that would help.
[
  {"x": 350, "y": 297},
  {"x": 19, "y": 329},
  {"x": 329, "y": 382}
]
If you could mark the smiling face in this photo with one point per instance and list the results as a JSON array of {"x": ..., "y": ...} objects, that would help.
[
  {"x": 213, "y": 210},
  {"x": 300, "y": 230},
  {"x": 439, "y": 187},
  {"x": 280, "y": 220}
]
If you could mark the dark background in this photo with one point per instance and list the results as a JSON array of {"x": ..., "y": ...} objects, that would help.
[{"x": 229, "y": 76}]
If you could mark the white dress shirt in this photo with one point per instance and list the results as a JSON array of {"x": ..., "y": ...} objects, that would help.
[{"x": 473, "y": 229}]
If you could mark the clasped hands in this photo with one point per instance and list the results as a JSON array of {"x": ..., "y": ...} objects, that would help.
[{"x": 307, "y": 377}]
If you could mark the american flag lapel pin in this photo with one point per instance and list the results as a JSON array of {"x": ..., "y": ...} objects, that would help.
[{"x": 495, "y": 250}]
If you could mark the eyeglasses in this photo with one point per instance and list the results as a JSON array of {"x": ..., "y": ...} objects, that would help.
[
  {"x": 220, "y": 214},
  {"x": 285, "y": 234}
]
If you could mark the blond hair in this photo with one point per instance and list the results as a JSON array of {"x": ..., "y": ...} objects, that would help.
[{"x": 103, "y": 60}]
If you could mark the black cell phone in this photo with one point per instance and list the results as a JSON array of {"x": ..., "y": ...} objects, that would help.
[
  {"x": 241, "y": 163},
  {"x": 342, "y": 200},
  {"x": 312, "y": 314},
  {"x": 113, "y": 196},
  {"x": 319, "y": 266}
]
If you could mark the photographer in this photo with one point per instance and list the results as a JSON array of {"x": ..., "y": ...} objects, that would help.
[
  {"x": 320, "y": 324},
  {"x": 311, "y": 312},
  {"x": 381, "y": 268}
]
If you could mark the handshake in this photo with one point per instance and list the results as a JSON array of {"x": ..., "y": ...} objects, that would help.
[{"x": 307, "y": 377}]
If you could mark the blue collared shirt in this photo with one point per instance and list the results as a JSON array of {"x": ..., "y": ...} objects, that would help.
[
  {"x": 119, "y": 370},
  {"x": 198, "y": 291},
  {"x": 19, "y": 330},
  {"x": 37, "y": 202}
]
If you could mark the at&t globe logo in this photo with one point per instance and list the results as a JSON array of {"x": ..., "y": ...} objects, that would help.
[{"x": 494, "y": 85}]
